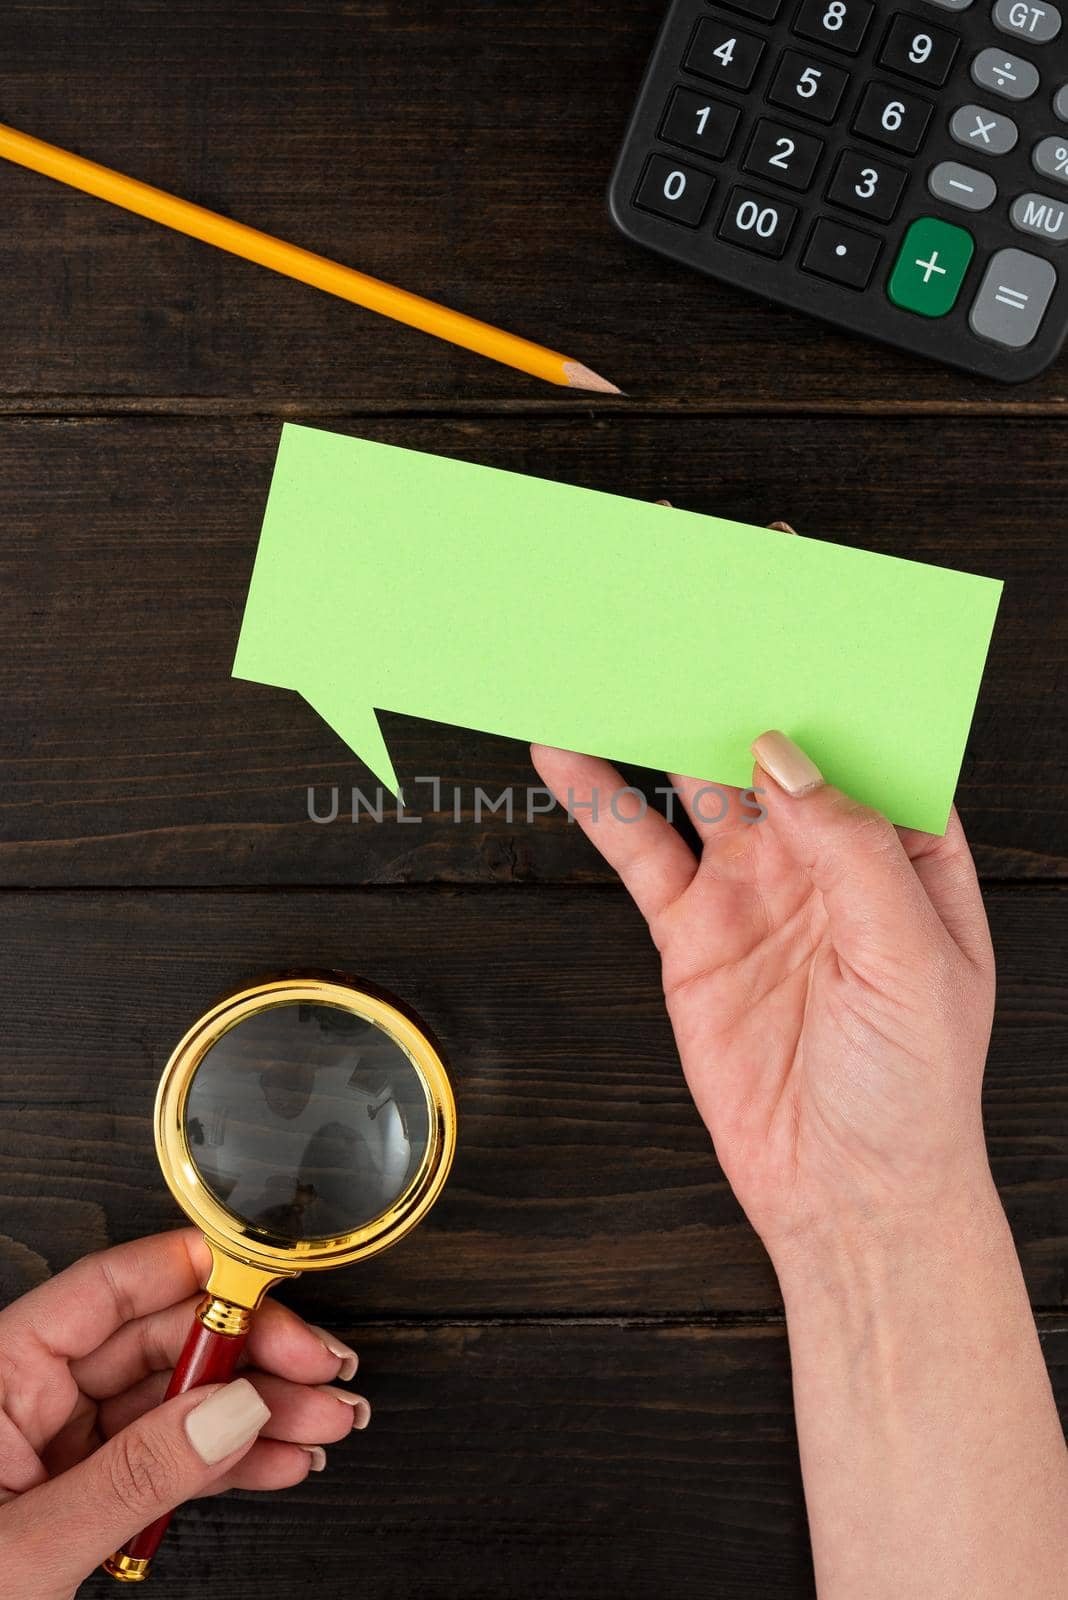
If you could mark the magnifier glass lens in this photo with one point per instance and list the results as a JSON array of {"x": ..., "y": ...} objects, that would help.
[{"x": 307, "y": 1120}]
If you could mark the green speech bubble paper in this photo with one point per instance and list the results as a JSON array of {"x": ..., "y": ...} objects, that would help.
[{"x": 405, "y": 582}]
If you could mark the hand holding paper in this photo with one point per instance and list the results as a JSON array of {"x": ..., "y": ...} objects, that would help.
[{"x": 393, "y": 580}]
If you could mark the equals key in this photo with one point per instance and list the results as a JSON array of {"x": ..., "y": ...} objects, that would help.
[{"x": 1012, "y": 299}]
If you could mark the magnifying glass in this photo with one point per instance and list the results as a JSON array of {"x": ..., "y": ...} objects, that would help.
[{"x": 302, "y": 1123}]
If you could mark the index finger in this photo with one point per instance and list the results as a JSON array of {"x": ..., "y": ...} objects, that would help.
[
  {"x": 655, "y": 863},
  {"x": 79, "y": 1308}
]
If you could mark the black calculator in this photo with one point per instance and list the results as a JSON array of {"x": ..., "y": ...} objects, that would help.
[{"x": 900, "y": 171}]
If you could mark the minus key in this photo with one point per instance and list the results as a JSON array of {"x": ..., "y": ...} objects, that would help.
[{"x": 962, "y": 186}]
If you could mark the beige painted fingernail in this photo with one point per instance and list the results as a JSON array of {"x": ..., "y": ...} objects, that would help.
[
  {"x": 361, "y": 1408},
  {"x": 665, "y": 503},
  {"x": 225, "y": 1421},
  {"x": 318, "y": 1456},
  {"x": 782, "y": 527},
  {"x": 787, "y": 763},
  {"x": 348, "y": 1358}
]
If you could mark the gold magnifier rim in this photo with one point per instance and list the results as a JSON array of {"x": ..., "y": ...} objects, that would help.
[{"x": 230, "y": 1233}]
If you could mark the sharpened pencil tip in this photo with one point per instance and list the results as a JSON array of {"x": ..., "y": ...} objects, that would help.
[{"x": 580, "y": 377}]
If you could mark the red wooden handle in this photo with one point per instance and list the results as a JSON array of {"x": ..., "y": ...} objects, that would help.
[{"x": 207, "y": 1358}]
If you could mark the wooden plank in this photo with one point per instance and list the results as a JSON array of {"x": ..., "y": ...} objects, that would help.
[
  {"x": 546, "y": 1462},
  {"x": 584, "y": 1181},
  {"x": 129, "y": 756},
  {"x": 462, "y": 151}
]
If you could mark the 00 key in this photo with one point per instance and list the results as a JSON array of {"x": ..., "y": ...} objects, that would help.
[{"x": 757, "y": 223}]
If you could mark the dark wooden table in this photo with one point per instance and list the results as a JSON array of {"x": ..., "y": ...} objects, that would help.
[{"x": 578, "y": 1366}]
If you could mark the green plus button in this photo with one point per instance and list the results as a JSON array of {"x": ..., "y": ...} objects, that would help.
[{"x": 930, "y": 269}]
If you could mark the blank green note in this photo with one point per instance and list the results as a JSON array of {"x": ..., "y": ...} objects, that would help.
[{"x": 405, "y": 582}]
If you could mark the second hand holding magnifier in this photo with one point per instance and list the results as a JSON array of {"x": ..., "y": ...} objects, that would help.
[{"x": 301, "y": 1124}]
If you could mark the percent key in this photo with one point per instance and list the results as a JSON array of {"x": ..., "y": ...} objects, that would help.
[{"x": 1051, "y": 158}]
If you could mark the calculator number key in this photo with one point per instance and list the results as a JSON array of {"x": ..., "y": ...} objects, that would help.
[
  {"x": 867, "y": 184},
  {"x": 724, "y": 54},
  {"x": 918, "y": 49},
  {"x": 700, "y": 124},
  {"x": 813, "y": 87},
  {"x": 782, "y": 154},
  {"x": 757, "y": 223},
  {"x": 893, "y": 117},
  {"x": 839, "y": 23},
  {"x": 674, "y": 191}
]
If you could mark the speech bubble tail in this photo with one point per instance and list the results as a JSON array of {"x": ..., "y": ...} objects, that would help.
[{"x": 358, "y": 725}]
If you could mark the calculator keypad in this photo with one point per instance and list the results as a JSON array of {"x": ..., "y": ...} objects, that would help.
[{"x": 880, "y": 165}]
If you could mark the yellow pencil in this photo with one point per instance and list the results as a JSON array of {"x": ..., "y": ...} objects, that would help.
[{"x": 294, "y": 262}]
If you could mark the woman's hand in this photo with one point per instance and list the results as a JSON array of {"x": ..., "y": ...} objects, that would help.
[
  {"x": 830, "y": 982},
  {"x": 89, "y": 1455}
]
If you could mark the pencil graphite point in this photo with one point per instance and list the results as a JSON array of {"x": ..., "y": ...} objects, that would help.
[{"x": 580, "y": 377}]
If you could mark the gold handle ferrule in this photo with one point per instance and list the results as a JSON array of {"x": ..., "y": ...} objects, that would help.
[
  {"x": 127, "y": 1569},
  {"x": 219, "y": 1316}
]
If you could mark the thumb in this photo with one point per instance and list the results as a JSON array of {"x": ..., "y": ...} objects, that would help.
[
  {"x": 57, "y": 1533},
  {"x": 875, "y": 903}
]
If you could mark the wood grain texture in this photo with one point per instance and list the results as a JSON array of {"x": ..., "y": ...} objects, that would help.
[
  {"x": 460, "y": 150},
  {"x": 584, "y": 1181},
  {"x": 540, "y": 1462},
  {"x": 578, "y": 1364},
  {"x": 129, "y": 755}
]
